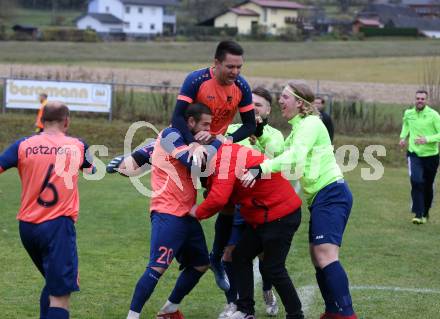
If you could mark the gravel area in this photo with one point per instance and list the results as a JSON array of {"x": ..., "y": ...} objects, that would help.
[{"x": 377, "y": 92}]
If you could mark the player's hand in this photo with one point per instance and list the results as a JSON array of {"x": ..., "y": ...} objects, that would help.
[
  {"x": 224, "y": 139},
  {"x": 198, "y": 153},
  {"x": 203, "y": 137},
  {"x": 250, "y": 176},
  {"x": 227, "y": 253},
  {"x": 252, "y": 139},
  {"x": 421, "y": 140},
  {"x": 260, "y": 127},
  {"x": 402, "y": 143},
  {"x": 114, "y": 164},
  {"x": 192, "y": 212}
]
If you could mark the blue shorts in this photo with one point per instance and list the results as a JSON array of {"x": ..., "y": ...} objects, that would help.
[
  {"x": 329, "y": 214},
  {"x": 52, "y": 247},
  {"x": 179, "y": 237},
  {"x": 238, "y": 227}
]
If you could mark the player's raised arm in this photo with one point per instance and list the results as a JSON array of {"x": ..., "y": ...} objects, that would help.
[{"x": 187, "y": 95}]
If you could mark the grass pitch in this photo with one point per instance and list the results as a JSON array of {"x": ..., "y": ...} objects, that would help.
[{"x": 392, "y": 264}]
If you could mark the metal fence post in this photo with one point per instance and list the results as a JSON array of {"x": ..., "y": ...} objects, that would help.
[{"x": 4, "y": 96}]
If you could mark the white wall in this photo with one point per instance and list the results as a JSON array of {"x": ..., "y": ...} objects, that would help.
[
  {"x": 114, "y": 7},
  {"x": 150, "y": 15},
  {"x": 432, "y": 34},
  {"x": 89, "y": 22},
  {"x": 93, "y": 6}
]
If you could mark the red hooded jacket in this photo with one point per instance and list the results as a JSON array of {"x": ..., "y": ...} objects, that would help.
[{"x": 271, "y": 197}]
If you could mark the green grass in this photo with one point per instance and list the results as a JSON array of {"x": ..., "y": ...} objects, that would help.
[
  {"x": 43, "y": 18},
  {"x": 381, "y": 247},
  {"x": 202, "y": 52}
]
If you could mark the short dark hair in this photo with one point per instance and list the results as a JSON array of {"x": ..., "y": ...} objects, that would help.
[
  {"x": 264, "y": 93},
  {"x": 196, "y": 110},
  {"x": 55, "y": 112},
  {"x": 320, "y": 98},
  {"x": 228, "y": 46},
  {"x": 422, "y": 91},
  {"x": 43, "y": 94}
]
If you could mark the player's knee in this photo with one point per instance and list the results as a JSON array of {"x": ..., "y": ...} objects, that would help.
[
  {"x": 325, "y": 254},
  {"x": 160, "y": 270},
  {"x": 60, "y": 301},
  {"x": 202, "y": 268}
]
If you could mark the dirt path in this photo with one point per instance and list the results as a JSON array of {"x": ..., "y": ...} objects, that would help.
[{"x": 378, "y": 92}]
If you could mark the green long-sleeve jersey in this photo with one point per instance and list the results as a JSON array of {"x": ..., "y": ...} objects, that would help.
[
  {"x": 270, "y": 143},
  {"x": 424, "y": 123},
  {"x": 307, "y": 156}
]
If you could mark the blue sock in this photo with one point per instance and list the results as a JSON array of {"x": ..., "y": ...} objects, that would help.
[
  {"x": 144, "y": 289},
  {"x": 267, "y": 285},
  {"x": 337, "y": 283},
  {"x": 330, "y": 304},
  {"x": 187, "y": 280},
  {"x": 57, "y": 313},
  {"x": 44, "y": 303},
  {"x": 231, "y": 294}
]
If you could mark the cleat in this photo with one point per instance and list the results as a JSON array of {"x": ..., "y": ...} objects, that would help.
[
  {"x": 416, "y": 221},
  {"x": 271, "y": 303},
  {"x": 241, "y": 315},
  {"x": 424, "y": 220},
  {"x": 171, "y": 315},
  {"x": 228, "y": 311},
  {"x": 219, "y": 273}
]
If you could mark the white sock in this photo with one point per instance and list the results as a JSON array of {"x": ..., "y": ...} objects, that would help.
[
  {"x": 169, "y": 307},
  {"x": 133, "y": 315}
]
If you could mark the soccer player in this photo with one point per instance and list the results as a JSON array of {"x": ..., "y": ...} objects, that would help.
[
  {"x": 269, "y": 141},
  {"x": 50, "y": 204},
  {"x": 272, "y": 211},
  {"x": 174, "y": 234},
  {"x": 225, "y": 92},
  {"x": 309, "y": 153},
  {"x": 319, "y": 103},
  {"x": 42, "y": 98},
  {"x": 421, "y": 125}
]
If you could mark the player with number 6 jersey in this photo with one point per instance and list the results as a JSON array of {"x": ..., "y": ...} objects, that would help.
[{"x": 48, "y": 164}]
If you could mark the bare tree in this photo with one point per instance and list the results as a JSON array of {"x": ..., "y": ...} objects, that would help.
[{"x": 431, "y": 80}]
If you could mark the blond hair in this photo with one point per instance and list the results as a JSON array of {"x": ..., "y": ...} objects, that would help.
[{"x": 303, "y": 93}]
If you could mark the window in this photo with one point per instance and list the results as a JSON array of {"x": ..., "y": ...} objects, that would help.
[
  {"x": 107, "y": 9},
  {"x": 127, "y": 25},
  {"x": 127, "y": 9},
  {"x": 226, "y": 25},
  {"x": 274, "y": 11},
  {"x": 265, "y": 15},
  {"x": 153, "y": 11},
  {"x": 274, "y": 25},
  {"x": 140, "y": 26},
  {"x": 152, "y": 26},
  {"x": 140, "y": 10}
]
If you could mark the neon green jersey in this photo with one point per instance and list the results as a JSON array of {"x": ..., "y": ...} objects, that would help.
[
  {"x": 421, "y": 123},
  {"x": 270, "y": 143},
  {"x": 308, "y": 156}
]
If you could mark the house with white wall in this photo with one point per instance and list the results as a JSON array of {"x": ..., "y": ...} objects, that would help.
[{"x": 134, "y": 18}]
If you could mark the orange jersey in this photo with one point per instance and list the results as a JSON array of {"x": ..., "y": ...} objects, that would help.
[
  {"x": 223, "y": 100},
  {"x": 171, "y": 182},
  {"x": 38, "y": 122},
  {"x": 48, "y": 165}
]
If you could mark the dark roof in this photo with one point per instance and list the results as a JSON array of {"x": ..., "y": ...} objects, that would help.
[
  {"x": 244, "y": 12},
  {"x": 24, "y": 28},
  {"x": 280, "y": 4},
  {"x": 161, "y": 3},
  {"x": 422, "y": 24},
  {"x": 102, "y": 17},
  {"x": 385, "y": 12},
  {"x": 420, "y": 2}
]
